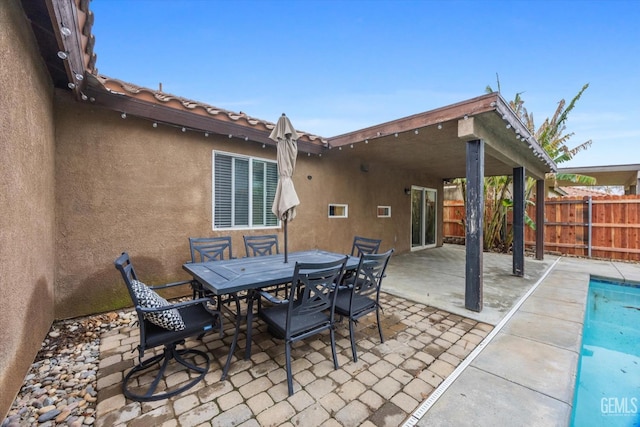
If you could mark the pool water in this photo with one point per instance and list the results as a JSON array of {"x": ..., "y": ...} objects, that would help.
[{"x": 607, "y": 389}]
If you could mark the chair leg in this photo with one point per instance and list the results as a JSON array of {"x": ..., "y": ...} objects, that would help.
[
  {"x": 333, "y": 348},
  {"x": 169, "y": 353},
  {"x": 287, "y": 350},
  {"x": 379, "y": 324},
  {"x": 353, "y": 340}
]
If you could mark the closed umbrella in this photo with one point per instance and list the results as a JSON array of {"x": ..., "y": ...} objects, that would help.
[{"x": 286, "y": 199}]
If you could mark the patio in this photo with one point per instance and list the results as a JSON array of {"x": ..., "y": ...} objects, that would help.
[
  {"x": 434, "y": 368},
  {"x": 428, "y": 334}
]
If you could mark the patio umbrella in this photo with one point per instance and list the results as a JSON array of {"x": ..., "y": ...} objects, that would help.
[{"x": 286, "y": 199}]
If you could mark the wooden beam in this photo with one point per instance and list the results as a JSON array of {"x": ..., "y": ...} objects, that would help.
[
  {"x": 518, "y": 221},
  {"x": 474, "y": 232}
]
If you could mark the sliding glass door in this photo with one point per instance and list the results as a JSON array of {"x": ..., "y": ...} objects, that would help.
[{"x": 423, "y": 217}]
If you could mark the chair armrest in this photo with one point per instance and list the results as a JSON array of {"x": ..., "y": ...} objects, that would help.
[
  {"x": 272, "y": 299},
  {"x": 172, "y": 284},
  {"x": 176, "y": 306}
]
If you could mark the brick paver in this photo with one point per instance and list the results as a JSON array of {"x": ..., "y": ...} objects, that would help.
[{"x": 422, "y": 346}]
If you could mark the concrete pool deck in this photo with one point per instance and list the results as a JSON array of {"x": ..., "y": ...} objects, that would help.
[{"x": 524, "y": 371}]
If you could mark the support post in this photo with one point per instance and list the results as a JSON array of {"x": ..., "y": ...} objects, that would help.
[
  {"x": 474, "y": 233},
  {"x": 518, "y": 221},
  {"x": 540, "y": 195}
]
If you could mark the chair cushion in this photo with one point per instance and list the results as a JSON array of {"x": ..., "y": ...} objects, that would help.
[
  {"x": 147, "y": 298},
  {"x": 276, "y": 319},
  {"x": 360, "y": 304}
]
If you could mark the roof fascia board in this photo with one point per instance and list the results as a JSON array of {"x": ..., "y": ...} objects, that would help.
[
  {"x": 497, "y": 146},
  {"x": 511, "y": 118},
  {"x": 63, "y": 13},
  {"x": 440, "y": 115},
  {"x": 613, "y": 168},
  {"x": 165, "y": 114}
]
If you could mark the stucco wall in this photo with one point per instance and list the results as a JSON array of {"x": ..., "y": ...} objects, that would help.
[
  {"x": 26, "y": 201},
  {"x": 124, "y": 185}
]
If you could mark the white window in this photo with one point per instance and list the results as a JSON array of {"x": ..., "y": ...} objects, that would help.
[
  {"x": 384, "y": 211},
  {"x": 243, "y": 191},
  {"x": 338, "y": 211}
]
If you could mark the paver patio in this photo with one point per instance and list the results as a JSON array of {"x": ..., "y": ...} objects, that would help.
[{"x": 423, "y": 345}]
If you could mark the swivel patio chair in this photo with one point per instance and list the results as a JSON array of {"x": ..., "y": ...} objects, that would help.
[
  {"x": 360, "y": 295},
  {"x": 363, "y": 245},
  {"x": 205, "y": 249},
  {"x": 309, "y": 309},
  {"x": 167, "y": 325}
]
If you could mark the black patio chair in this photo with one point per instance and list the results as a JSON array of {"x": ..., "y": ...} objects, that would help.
[
  {"x": 264, "y": 245},
  {"x": 361, "y": 246},
  {"x": 261, "y": 245},
  {"x": 167, "y": 325},
  {"x": 205, "y": 249},
  {"x": 309, "y": 308},
  {"x": 364, "y": 245},
  {"x": 360, "y": 295}
]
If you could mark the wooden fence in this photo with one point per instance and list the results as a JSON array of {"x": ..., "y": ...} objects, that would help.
[{"x": 601, "y": 227}]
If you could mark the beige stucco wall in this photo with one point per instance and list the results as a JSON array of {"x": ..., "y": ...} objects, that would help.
[
  {"x": 26, "y": 201},
  {"x": 124, "y": 185}
]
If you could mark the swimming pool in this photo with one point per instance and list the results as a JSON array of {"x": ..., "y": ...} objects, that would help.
[{"x": 607, "y": 391}]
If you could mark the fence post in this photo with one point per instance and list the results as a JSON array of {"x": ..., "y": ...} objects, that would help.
[{"x": 589, "y": 226}]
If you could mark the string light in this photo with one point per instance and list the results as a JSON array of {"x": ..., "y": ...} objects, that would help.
[
  {"x": 123, "y": 115},
  {"x": 155, "y": 124}
]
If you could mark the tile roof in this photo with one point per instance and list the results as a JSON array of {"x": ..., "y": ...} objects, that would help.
[{"x": 119, "y": 87}]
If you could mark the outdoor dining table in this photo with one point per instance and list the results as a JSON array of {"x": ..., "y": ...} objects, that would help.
[{"x": 229, "y": 277}]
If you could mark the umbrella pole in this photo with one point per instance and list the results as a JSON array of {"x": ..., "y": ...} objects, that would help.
[{"x": 286, "y": 250}]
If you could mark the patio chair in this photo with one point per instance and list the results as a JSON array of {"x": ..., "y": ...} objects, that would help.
[
  {"x": 205, "y": 249},
  {"x": 261, "y": 245},
  {"x": 308, "y": 309},
  {"x": 167, "y": 325},
  {"x": 363, "y": 245},
  {"x": 360, "y": 295}
]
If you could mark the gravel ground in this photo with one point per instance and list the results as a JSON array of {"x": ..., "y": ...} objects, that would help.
[{"x": 60, "y": 387}]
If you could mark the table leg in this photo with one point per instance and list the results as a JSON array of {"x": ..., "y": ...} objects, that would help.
[
  {"x": 234, "y": 343},
  {"x": 251, "y": 296}
]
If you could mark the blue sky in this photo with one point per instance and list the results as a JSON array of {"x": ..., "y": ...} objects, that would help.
[{"x": 345, "y": 65}]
